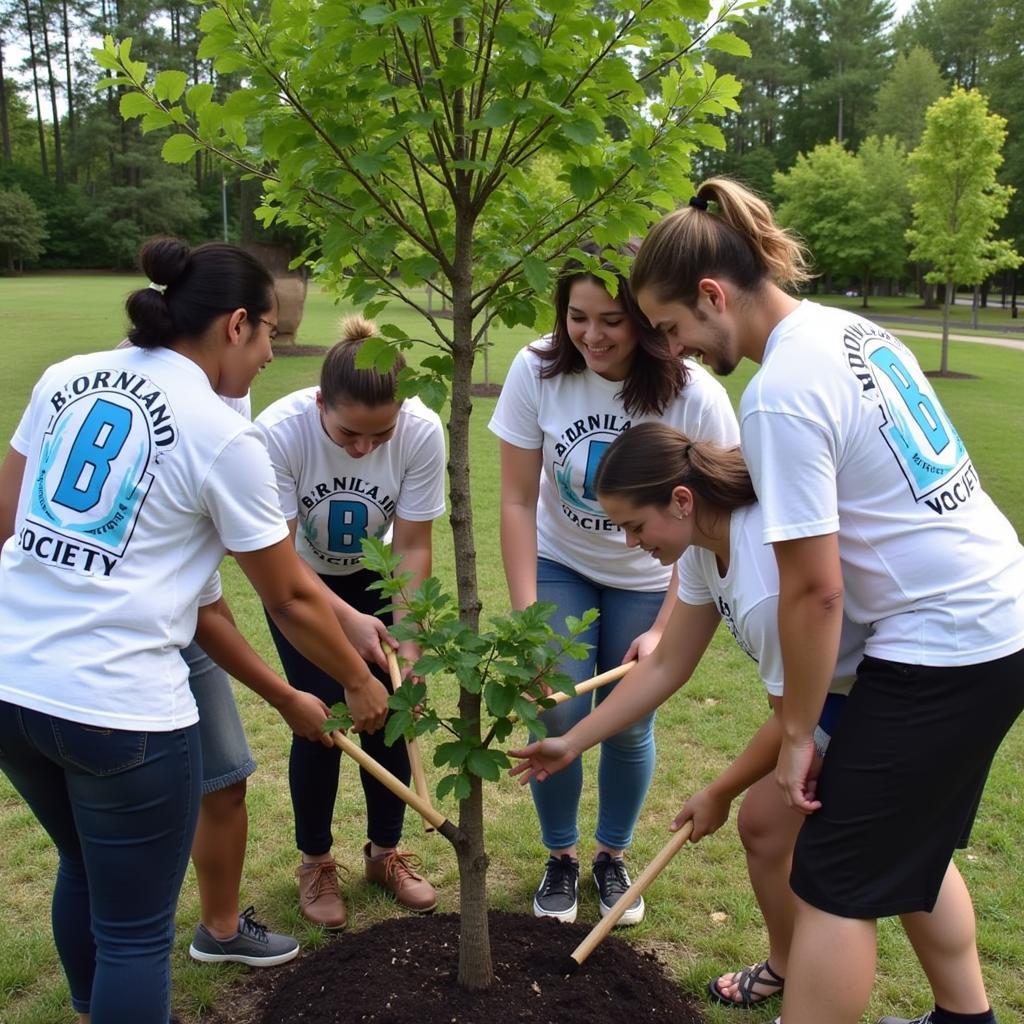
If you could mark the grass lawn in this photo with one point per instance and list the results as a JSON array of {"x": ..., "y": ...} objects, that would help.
[
  {"x": 992, "y": 319},
  {"x": 702, "y": 918}
]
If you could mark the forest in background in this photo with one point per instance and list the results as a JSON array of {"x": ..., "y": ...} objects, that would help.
[{"x": 846, "y": 72}]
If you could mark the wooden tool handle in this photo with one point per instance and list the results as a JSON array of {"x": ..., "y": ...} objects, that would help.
[
  {"x": 608, "y": 922},
  {"x": 419, "y": 776},
  {"x": 595, "y": 682},
  {"x": 382, "y": 775}
]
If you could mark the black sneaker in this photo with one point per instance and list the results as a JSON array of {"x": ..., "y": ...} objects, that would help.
[
  {"x": 923, "y": 1019},
  {"x": 612, "y": 880},
  {"x": 253, "y": 945},
  {"x": 558, "y": 893}
]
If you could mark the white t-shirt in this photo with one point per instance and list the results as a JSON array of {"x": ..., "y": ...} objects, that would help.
[
  {"x": 573, "y": 418},
  {"x": 843, "y": 432},
  {"x": 137, "y": 478},
  {"x": 747, "y": 598},
  {"x": 339, "y": 500}
]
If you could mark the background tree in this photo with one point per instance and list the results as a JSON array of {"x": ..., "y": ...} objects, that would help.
[
  {"x": 912, "y": 86},
  {"x": 851, "y": 209},
  {"x": 954, "y": 32},
  {"x": 374, "y": 125},
  {"x": 22, "y": 229},
  {"x": 958, "y": 203}
]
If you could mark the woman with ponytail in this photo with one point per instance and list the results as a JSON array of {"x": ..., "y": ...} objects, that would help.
[
  {"x": 692, "y": 503},
  {"x": 872, "y": 505},
  {"x": 126, "y": 480},
  {"x": 565, "y": 400},
  {"x": 353, "y": 461}
]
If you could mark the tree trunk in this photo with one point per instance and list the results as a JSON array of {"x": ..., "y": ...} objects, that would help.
[
  {"x": 58, "y": 156},
  {"x": 865, "y": 287},
  {"x": 67, "y": 74},
  {"x": 975, "y": 302},
  {"x": 5, "y": 125},
  {"x": 43, "y": 162},
  {"x": 944, "y": 357},
  {"x": 476, "y": 971}
]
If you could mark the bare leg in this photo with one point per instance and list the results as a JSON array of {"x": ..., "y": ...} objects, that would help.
[
  {"x": 218, "y": 852},
  {"x": 944, "y": 942},
  {"x": 84, "y": 1018},
  {"x": 831, "y": 968},
  {"x": 768, "y": 830}
]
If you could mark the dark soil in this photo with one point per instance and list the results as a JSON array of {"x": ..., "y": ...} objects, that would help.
[{"x": 403, "y": 971}]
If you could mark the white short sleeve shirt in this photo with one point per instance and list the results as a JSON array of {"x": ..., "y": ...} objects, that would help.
[
  {"x": 843, "y": 432},
  {"x": 137, "y": 479},
  {"x": 573, "y": 419},
  {"x": 747, "y": 598},
  {"x": 338, "y": 500}
]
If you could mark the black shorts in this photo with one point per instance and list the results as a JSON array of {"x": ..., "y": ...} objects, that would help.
[{"x": 901, "y": 784}]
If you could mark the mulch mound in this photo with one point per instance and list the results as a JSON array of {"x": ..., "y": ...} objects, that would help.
[{"x": 404, "y": 971}]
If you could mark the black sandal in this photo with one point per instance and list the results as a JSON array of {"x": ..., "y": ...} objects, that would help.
[{"x": 756, "y": 974}]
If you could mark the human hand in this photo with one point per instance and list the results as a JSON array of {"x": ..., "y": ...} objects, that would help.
[
  {"x": 366, "y": 633},
  {"x": 305, "y": 715},
  {"x": 542, "y": 759},
  {"x": 706, "y": 810},
  {"x": 797, "y": 774},
  {"x": 642, "y": 646},
  {"x": 367, "y": 704}
]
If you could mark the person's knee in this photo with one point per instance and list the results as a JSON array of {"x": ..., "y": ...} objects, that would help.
[
  {"x": 636, "y": 739},
  {"x": 226, "y": 803},
  {"x": 762, "y": 834}
]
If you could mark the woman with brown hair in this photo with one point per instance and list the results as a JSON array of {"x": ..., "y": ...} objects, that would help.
[
  {"x": 692, "y": 503},
  {"x": 566, "y": 398}
]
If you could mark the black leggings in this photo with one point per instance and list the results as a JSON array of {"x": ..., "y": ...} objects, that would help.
[{"x": 313, "y": 768}]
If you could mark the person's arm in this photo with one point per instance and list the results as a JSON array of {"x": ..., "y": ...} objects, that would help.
[
  {"x": 219, "y": 637},
  {"x": 365, "y": 632},
  {"x": 709, "y": 808},
  {"x": 647, "y": 641},
  {"x": 412, "y": 540},
  {"x": 12, "y": 472},
  {"x": 297, "y": 602},
  {"x": 638, "y": 693},
  {"x": 810, "y": 621},
  {"x": 520, "y": 487}
]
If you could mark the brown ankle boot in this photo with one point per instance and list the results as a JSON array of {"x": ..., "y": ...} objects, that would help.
[
  {"x": 395, "y": 872},
  {"x": 319, "y": 895}
]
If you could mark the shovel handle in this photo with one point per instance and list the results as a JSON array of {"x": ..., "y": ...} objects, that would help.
[
  {"x": 419, "y": 776},
  {"x": 383, "y": 776},
  {"x": 595, "y": 682},
  {"x": 600, "y": 931}
]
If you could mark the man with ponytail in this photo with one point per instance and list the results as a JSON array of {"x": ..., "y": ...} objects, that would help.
[{"x": 873, "y": 507}]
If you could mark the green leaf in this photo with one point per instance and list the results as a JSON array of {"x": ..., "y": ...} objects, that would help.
[
  {"x": 397, "y": 724},
  {"x": 582, "y": 182},
  {"x": 729, "y": 42},
  {"x": 135, "y": 104},
  {"x": 580, "y": 130},
  {"x": 501, "y": 112},
  {"x": 537, "y": 274},
  {"x": 180, "y": 148},
  {"x": 486, "y": 763},
  {"x": 169, "y": 85}
]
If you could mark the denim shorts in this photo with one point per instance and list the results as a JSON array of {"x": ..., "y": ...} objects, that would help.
[{"x": 227, "y": 758}]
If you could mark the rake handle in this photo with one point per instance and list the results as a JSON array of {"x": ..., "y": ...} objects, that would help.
[
  {"x": 419, "y": 776},
  {"x": 600, "y": 931}
]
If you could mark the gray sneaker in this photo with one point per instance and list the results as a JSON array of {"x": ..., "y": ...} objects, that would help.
[
  {"x": 557, "y": 895},
  {"x": 925, "y": 1018},
  {"x": 612, "y": 881},
  {"x": 253, "y": 944}
]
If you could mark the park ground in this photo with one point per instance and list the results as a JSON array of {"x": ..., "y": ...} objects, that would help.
[{"x": 702, "y": 918}]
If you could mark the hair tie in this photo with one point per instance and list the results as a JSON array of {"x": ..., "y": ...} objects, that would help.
[
  {"x": 161, "y": 288},
  {"x": 698, "y": 203}
]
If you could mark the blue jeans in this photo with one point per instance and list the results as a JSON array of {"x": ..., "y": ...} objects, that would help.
[
  {"x": 627, "y": 759},
  {"x": 121, "y": 808}
]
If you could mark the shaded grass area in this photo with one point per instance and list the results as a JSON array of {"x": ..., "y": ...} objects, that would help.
[{"x": 698, "y": 732}]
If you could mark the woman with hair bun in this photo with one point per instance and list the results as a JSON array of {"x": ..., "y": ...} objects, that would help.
[
  {"x": 353, "y": 461},
  {"x": 692, "y": 503},
  {"x": 565, "y": 400},
  {"x": 873, "y": 507},
  {"x": 126, "y": 480}
]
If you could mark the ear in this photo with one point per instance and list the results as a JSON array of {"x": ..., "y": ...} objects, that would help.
[
  {"x": 713, "y": 293},
  {"x": 682, "y": 501},
  {"x": 319, "y": 400},
  {"x": 234, "y": 326}
]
